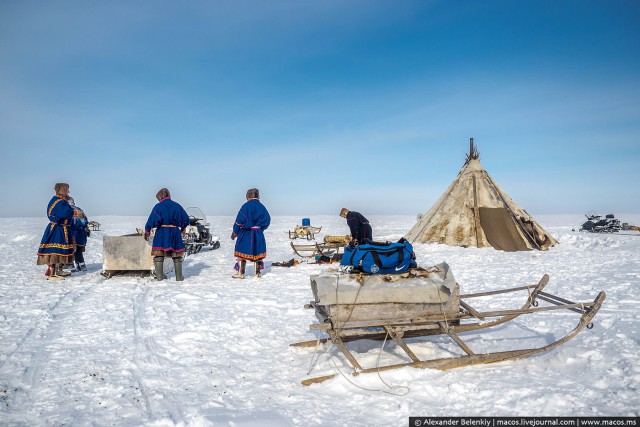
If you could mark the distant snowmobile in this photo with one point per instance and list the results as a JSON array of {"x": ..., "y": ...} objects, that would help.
[
  {"x": 596, "y": 224},
  {"x": 197, "y": 233}
]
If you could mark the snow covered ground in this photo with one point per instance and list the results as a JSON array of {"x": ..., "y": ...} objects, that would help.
[{"x": 214, "y": 351}]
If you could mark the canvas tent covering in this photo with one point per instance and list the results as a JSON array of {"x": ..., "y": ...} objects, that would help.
[{"x": 475, "y": 212}]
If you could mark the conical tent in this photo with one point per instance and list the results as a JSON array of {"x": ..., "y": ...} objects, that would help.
[{"x": 476, "y": 212}]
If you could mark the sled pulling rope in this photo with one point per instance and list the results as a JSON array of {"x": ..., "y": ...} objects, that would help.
[{"x": 342, "y": 330}]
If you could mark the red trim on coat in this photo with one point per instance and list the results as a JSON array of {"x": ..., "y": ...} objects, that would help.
[
  {"x": 167, "y": 249},
  {"x": 250, "y": 257}
]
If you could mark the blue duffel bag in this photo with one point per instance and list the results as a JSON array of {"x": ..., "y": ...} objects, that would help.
[{"x": 380, "y": 258}]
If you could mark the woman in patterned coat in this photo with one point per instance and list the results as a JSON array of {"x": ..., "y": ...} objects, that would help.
[{"x": 57, "y": 245}]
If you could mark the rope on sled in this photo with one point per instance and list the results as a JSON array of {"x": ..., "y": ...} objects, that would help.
[
  {"x": 360, "y": 280},
  {"x": 531, "y": 299},
  {"x": 313, "y": 356},
  {"x": 390, "y": 387},
  {"x": 380, "y": 376}
]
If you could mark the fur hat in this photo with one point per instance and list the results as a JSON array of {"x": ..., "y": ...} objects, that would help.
[
  {"x": 59, "y": 186},
  {"x": 253, "y": 193},
  {"x": 162, "y": 194},
  {"x": 344, "y": 212}
]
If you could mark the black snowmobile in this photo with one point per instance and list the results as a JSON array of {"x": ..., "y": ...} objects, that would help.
[
  {"x": 197, "y": 234},
  {"x": 596, "y": 224}
]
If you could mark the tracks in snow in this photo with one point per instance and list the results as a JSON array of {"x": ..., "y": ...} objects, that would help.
[
  {"x": 24, "y": 374},
  {"x": 148, "y": 359}
]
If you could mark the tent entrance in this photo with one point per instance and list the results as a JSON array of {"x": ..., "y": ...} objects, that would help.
[{"x": 501, "y": 231}]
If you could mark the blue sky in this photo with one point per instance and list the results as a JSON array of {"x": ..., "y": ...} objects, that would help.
[{"x": 321, "y": 104}]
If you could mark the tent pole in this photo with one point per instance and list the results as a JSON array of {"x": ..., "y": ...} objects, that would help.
[{"x": 476, "y": 214}]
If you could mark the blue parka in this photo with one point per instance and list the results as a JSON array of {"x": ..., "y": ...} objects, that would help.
[
  {"x": 359, "y": 227},
  {"x": 79, "y": 227},
  {"x": 169, "y": 219},
  {"x": 251, "y": 221},
  {"x": 57, "y": 239}
]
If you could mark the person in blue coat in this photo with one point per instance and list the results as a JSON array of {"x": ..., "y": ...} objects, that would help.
[
  {"x": 57, "y": 245},
  {"x": 170, "y": 220},
  {"x": 80, "y": 231},
  {"x": 358, "y": 226},
  {"x": 251, "y": 221}
]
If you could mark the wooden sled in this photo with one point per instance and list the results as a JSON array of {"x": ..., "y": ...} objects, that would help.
[
  {"x": 312, "y": 250},
  {"x": 467, "y": 319},
  {"x": 331, "y": 246},
  {"x": 95, "y": 225},
  {"x": 304, "y": 232}
]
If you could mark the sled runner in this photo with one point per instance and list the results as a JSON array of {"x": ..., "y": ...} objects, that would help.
[{"x": 355, "y": 314}]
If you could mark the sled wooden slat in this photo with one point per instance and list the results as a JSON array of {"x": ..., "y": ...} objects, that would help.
[
  {"x": 537, "y": 309},
  {"x": 457, "y": 339},
  {"x": 372, "y": 323},
  {"x": 397, "y": 336},
  {"x": 556, "y": 298},
  {"x": 311, "y": 343},
  {"x": 556, "y": 302},
  {"x": 317, "y": 379},
  {"x": 504, "y": 291},
  {"x": 335, "y": 338},
  {"x": 472, "y": 310}
]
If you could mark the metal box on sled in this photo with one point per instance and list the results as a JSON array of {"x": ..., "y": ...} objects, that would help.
[{"x": 128, "y": 253}]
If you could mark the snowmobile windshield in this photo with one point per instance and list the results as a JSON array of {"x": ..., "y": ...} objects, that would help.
[{"x": 195, "y": 212}]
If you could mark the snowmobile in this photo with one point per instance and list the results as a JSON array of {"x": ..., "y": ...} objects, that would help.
[
  {"x": 596, "y": 224},
  {"x": 197, "y": 234}
]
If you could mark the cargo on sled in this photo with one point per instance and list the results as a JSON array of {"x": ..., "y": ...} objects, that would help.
[{"x": 304, "y": 231}]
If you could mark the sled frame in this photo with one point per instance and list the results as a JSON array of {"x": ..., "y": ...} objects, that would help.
[
  {"x": 310, "y": 251},
  {"x": 400, "y": 329},
  {"x": 309, "y": 233}
]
